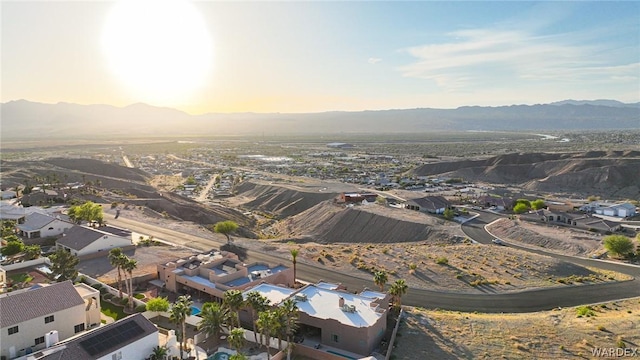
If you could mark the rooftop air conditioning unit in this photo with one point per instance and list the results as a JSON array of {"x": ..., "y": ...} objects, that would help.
[{"x": 301, "y": 297}]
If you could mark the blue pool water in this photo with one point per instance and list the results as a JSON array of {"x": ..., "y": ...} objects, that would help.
[
  {"x": 219, "y": 356},
  {"x": 195, "y": 310}
]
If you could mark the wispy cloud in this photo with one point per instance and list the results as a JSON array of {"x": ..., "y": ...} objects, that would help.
[
  {"x": 373, "y": 60},
  {"x": 496, "y": 57}
]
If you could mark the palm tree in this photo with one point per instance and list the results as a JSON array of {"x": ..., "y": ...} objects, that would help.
[
  {"x": 236, "y": 338},
  {"x": 398, "y": 289},
  {"x": 214, "y": 317},
  {"x": 234, "y": 301},
  {"x": 294, "y": 255},
  {"x": 178, "y": 315},
  {"x": 257, "y": 303},
  {"x": 380, "y": 278},
  {"x": 289, "y": 315},
  {"x": 115, "y": 255},
  {"x": 159, "y": 353},
  {"x": 268, "y": 324},
  {"x": 128, "y": 266}
]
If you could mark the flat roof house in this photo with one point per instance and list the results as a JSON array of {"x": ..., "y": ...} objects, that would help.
[
  {"x": 38, "y": 317},
  {"x": 131, "y": 338},
  {"x": 216, "y": 272},
  {"x": 83, "y": 240},
  {"x": 38, "y": 225},
  {"x": 352, "y": 322}
]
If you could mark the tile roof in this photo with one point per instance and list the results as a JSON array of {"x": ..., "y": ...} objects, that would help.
[
  {"x": 34, "y": 303},
  {"x": 116, "y": 335},
  {"x": 79, "y": 237}
]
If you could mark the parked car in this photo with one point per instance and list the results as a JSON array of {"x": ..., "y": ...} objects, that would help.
[{"x": 498, "y": 242}]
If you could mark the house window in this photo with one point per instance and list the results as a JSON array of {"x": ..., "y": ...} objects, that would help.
[
  {"x": 39, "y": 340},
  {"x": 117, "y": 356},
  {"x": 78, "y": 328},
  {"x": 13, "y": 330},
  {"x": 48, "y": 319},
  {"x": 334, "y": 338}
]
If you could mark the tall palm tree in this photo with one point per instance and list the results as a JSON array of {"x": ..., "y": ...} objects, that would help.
[
  {"x": 236, "y": 338},
  {"x": 214, "y": 318},
  {"x": 268, "y": 324},
  {"x": 115, "y": 255},
  {"x": 178, "y": 314},
  {"x": 380, "y": 278},
  {"x": 234, "y": 301},
  {"x": 289, "y": 315},
  {"x": 257, "y": 303},
  {"x": 398, "y": 289},
  {"x": 128, "y": 266},
  {"x": 294, "y": 256}
]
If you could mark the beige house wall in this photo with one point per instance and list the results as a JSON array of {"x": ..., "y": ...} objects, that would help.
[{"x": 64, "y": 322}]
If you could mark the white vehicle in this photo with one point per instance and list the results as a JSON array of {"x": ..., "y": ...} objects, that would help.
[{"x": 498, "y": 242}]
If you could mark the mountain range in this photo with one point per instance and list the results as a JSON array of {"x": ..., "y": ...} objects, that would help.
[{"x": 22, "y": 119}]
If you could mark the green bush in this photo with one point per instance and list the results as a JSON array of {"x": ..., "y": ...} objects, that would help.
[
  {"x": 442, "y": 260},
  {"x": 107, "y": 296},
  {"x": 124, "y": 301},
  {"x": 141, "y": 308},
  {"x": 138, "y": 296},
  {"x": 97, "y": 286}
]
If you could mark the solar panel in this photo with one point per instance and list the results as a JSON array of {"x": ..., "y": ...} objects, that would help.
[{"x": 111, "y": 338}]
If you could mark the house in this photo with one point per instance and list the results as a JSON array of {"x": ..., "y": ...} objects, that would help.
[
  {"x": 38, "y": 225},
  {"x": 12, "y": 212},
  {"x": 35, "y": 318},
  {"x": 356, "y": 197},
  {"x": 214, "y": 273},
  {"x": 8, "y": 194},
  {"x": 343, "y": 320},
  {"x": 131, "y": 338},
  {"x": 430, "y": 204},
  {"x": 83, "y": 240},
  {"x": 610, "y": 209},
  {"x": 500, "y": 203}
]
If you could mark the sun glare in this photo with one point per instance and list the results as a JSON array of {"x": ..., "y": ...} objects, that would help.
[{"x": 160, "y": 49}]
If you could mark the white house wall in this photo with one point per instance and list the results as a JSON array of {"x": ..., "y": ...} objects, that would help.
[
  {"x": 55, "y": 228},
  {"x": 137, "y": 350},
  {"x": 105, "y": 243}
]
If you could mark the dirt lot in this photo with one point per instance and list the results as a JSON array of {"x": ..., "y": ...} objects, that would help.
[
  {"x": 558, "y": 239},
  {"x": 557, "y": 334}
]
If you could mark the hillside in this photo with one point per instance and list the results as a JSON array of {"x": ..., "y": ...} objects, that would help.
[
  {"x": 612, "y": 174},
  {"x": 285, "y": 200},
  {"x": 331, "y": 223},
  {"x": 111, "y": 183},
  {"x": 30, "y": 120}
]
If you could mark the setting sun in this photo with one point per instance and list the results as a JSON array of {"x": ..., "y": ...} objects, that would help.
[{"x": 160, "y": 49}]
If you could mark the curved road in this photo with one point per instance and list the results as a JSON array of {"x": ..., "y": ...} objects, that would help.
[{"x": 523, "y": 301}]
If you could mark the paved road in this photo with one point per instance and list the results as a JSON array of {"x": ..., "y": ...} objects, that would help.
[{"x": 524, "y": 301}]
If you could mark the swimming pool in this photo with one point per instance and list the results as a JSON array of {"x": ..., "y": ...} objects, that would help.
[
  {"x": 219, "y": 356},
  {"x": 195, "y": 310}
]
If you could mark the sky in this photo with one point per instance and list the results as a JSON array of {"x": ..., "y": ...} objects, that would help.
[{"x": 295, "y": 56}]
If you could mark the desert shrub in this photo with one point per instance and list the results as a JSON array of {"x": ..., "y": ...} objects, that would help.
[
  {"x": 585, "y": 311},
  {"x": 618, "y": 245},
  {"x": 442, "y": 260},
  {"x": 602, "y": 328},
  {"x": 124, "y": 301},
  {"x": 413, "y": 266}
]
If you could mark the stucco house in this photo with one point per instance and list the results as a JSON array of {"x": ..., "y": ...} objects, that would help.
[
  {"x": 37, "y": 225},
  {"x": 430, "y": 204},
  {"x": 38, "y": 317},
  {"x": 339, "y": 319},
  {"x": 131, "y": 338},
  {"x": 610, "y": 209},
  {"x": 214, "y": 273},
  {"x": 83, "y": 240}
]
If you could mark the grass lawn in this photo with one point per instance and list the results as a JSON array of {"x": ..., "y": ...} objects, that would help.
[{"x": 116, "y": 312}]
